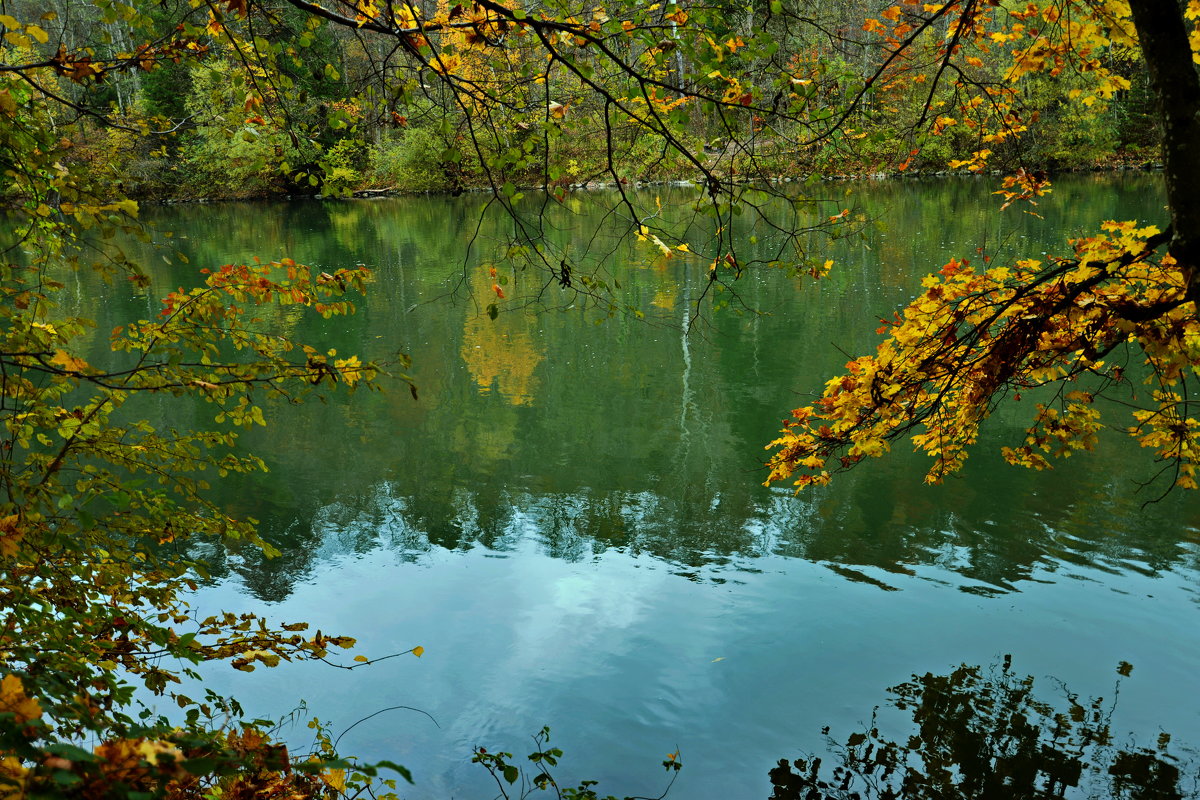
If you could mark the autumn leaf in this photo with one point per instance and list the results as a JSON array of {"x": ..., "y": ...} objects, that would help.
[
  {"x": 10, "y": 535},
  {"x": 68, "y": 362},
  {"x": 335, "y": 778},
  {"x": 13, "y": 700}
]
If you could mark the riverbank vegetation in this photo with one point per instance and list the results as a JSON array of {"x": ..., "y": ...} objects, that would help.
[
  {"x": 104, "y": 102},
  {"x": 297, "y": 104}
]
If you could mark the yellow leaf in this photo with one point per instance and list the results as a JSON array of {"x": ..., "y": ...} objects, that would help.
[
  {"x": 9, "y": 22},
  {"x": 363, "y": 659},
  {"x": 336, "y": 778},
  {"x": 12, "y": 776},
  {"x": 68, "y": 361},
  {"x": 418, "y": 651},
  {"x": 13, "y": 700},
  {"x": 718, "y": 658},
  {"x": 10, "y": 537},
  {"x": 37, "y": 33},
  {"x": 152, "y": 751}
]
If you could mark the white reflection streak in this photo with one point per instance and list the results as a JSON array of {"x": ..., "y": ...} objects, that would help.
[{"x": 687, "y": 360}]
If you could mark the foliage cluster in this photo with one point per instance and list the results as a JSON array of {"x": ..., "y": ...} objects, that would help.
[
  {"x": 100, "y": 510},
  {"x": 750, "y": 91},
  {"x": 976, "y": 337}
]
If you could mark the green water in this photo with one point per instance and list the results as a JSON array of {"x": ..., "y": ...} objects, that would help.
[{"x": 570, "y": 519}]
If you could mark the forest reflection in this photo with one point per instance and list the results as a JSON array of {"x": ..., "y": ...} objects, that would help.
[
  {"x": 983, "y": 733},
  {"x": 705, "y": 536},
  {"x": 541, "y": 428}
]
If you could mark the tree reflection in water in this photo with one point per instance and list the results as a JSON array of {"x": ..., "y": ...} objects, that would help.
[{"x": 983, "y": 733}]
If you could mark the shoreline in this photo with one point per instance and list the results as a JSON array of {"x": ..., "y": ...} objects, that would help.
[{"x": 591, "y": 186}]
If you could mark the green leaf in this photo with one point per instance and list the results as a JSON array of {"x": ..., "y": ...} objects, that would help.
[
  {"x": 404, "y": 773},
  {"x": 71, "y": 752}
]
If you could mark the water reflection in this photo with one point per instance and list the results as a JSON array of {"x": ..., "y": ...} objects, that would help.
[
  {"x": 694, "y": 530},
  {"x": 570, "y": 519},
  {"x": 502, "y": 353},
  {"x": 626, "y": 435},
  {"x": 980, "y": 734}
]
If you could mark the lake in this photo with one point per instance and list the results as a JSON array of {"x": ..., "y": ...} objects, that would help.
[{"x": 570, "y": 519}]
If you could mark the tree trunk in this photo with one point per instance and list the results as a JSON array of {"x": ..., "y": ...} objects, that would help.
[{"x": 1163, "y": 36}]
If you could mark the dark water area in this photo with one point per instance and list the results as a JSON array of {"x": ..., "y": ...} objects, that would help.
[{"x": 570, "y": 520}]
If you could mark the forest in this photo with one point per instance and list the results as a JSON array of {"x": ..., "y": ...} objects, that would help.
[
  {"x": 293, "y": 103},
  {"x": 112, "y": 505}
]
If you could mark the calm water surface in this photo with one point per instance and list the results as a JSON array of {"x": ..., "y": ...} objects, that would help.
[{"x": 570, "y": 519}]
